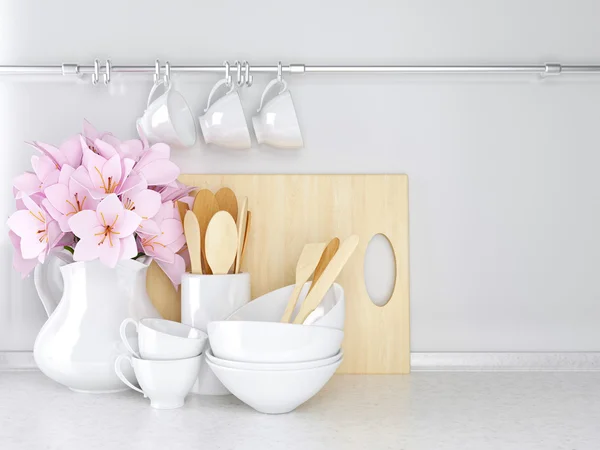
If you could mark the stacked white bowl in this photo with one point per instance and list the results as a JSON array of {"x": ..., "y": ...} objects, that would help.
[{"x": 275, "y": 367}]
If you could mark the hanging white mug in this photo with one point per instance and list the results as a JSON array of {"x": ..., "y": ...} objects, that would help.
[
  {"x": 168, "y": 119},
  {"x": 277, "y": 124},
  {"x": 224, "y": 123}
]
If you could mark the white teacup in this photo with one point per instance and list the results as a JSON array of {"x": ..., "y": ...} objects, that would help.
[
  {"x": 224, "y": 122},
  {"x": 168, "y": 119},
  {"x": 166, "y": 383},
  {"x": 277, "y": 124},
  {"x": 161, "y": 339}
]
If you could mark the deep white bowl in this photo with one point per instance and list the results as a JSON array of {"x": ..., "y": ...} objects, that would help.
[
  {"x": 274, "y": 391},
  {"x": 273, "y": 366},
  {"x": 270, "y": 307},
  {"x": 272, "y": 342}
]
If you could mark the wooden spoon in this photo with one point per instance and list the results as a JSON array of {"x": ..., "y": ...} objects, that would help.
[
  {"x": 248, "y": 223},
  {"x": 327, "y": 278},
  {"x": 183, "y": 208},
  {"x": 328, "y": 253},
  {"x": 192, "y": 236},
  {"x": 227, "y": 201},
  {"x": 309, "y": 258},
  {"x": 241, "y": 227},
  {"x": 221, "y": 242},
  {"x": 205, "y": 207}
]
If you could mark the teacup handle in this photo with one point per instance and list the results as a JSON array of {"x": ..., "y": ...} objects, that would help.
[
  {"x": 119, "y": 372},
  {"x": 216, "y": 87},
  {"x": 123, "y": 333},
  {"x": 155, "y": 87},
  {"x": 268, "y": 88}
]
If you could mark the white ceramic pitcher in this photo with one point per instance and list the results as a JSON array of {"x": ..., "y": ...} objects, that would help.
[{"x": 79, "y": 343}]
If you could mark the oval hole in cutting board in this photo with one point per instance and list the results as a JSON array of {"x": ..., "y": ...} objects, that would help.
[{"x": 380, "y": 269}]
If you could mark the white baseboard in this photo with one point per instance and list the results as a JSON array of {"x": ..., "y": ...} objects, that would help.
[
  {"x": 505, "y": 362},
  {"x": 433, "y": 362}
]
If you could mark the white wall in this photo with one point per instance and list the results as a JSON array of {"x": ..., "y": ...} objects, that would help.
[{"x": 504, "y": 191}]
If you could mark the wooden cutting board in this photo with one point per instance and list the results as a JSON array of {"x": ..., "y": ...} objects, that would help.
[{"x": 289, "y": 211}]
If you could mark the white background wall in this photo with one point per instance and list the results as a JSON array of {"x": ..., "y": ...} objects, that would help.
[{"x": 504, "y": 191}]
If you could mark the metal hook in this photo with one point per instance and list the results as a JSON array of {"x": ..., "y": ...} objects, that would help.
[
  {"x": 249, "y": 78},
  {"x": 240, "y": 77},
  {"x": 96, "y": 74},
  {"x": 108, "y": 67},
  {"x": 156, "y": 71},
  {"x": 227, "y": 73},
  {"x": 279, "y": 71},
  {"x": 167, "y": 74}
]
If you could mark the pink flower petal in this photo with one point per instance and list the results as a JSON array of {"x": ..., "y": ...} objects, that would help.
[
  {"x": 146, "y": 203},
  {"x": 86, "y": 250},
  {"x": 149, "y": 227},
  {"x": 105, "y": 149},
  {"x": 127, "y": 223},
  {"x": 133, "y": 182},
  {"x": 43, "y": 166},
  {"x": 160, "y": 172},
  {"x": 24, "y": 223},
  {"x": 21, "y": 265},
  {"x": 178, "y": 243},
  {"x": 51, "y": 152},
  {"x": 173, "y": 270},
  {"x": 171, "y": 231},
  {"x": 89, "y": 131},
  {"x": 128, "y": 248},
  {"x": 31, "y": 246},
  {"x": 133, "y": 149},
  {"x": 72, "y": 151},
  {"x": 110, "y": 251},
  {"x": 26, "y": 184},
  {"x": 110, "y": 211},
  {"x": 158, "y": 251},
  {"x": 66, "y": 172},
  {"x": 59, "y": 198},
  {"x": 84, "y": 223}
]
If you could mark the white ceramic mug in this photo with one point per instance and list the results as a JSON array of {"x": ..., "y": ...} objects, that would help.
[
  {"x": 224, "y": 122},
  {"x": 205, "y": 298},
  {"x": 166, "y": 383},
  {"x": 168, "y": 119},
  {"x": 276, "y": 123},
  {"x": 161, "y": 339}
]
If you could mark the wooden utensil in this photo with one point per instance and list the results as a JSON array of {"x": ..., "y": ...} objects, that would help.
[
  {"x": 328, "y": 253},
  {"x": 221, "y": 242},
  {"x": 205, "y": 207},
  {"x": 227, "y": 202},
  {"x": 309, "y": 258},
  {"x": 192, "y": 236},
  {"x": 183, "y": 208},
  {"x": 241, "y": 227},
  {"x": 246, "y": 233},
  {"x": 329, "y": 275}
]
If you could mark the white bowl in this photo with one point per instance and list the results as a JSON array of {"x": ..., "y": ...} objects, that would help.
[
  {"x": 270, "y": 307},
  {"x": 273, "y": 366},
  {"x": 274, "y": 391},
  {"x": 272, "y": 342}
]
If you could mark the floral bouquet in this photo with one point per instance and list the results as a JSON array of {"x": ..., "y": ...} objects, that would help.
[{"x": 100, "y": 197}]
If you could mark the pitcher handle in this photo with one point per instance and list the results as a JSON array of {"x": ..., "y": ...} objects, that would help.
[
  {"x": 119, "y": 372},
  {"x": 123, "y": 333},
  {"x": 48, "y": 279},
  {"x": 268, "y": 88},
  {"x": 155, "y": 87},
  {"x": 215, "y": 88}
]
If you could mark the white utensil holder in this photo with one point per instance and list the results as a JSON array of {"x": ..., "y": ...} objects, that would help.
[{"x": 205, "y": 298}]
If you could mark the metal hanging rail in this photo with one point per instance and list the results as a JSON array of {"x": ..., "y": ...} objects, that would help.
[{"x": 106, "y": 69}]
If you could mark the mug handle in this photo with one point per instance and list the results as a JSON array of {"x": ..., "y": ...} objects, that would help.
[
  {"x": 215, "y": 88},
  {"x": 119, "y": 373},
  {"x": 122, "y": 332},
  {"x": 155, "y": 87},
  {"x": 268, "y": 88}
]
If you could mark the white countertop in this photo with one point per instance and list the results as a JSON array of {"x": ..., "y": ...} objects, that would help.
[{"x": 436, "y": 411}]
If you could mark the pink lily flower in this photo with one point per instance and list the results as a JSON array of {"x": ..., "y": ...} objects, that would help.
[
  {"x": 45, "y": 173},
  {"x": 146, "y": 204},
  {"x": 163, "y": 246},
  {"x": 66, "y": 198},
  {"x": 102, "y": 176},
  {"x": 155, "y": 165},
  {"x": 132, "y": 148},
  {"x": 20, "y": 264},
  {"x": 38, "y": 232},
  {"x": 69, "y": 152},
  {"x": 106, "y": 233}
]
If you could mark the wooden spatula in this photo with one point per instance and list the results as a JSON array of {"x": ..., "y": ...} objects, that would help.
[
  {"x": 227, "y": 202},
  {"x": 309, "y": 258},
  {"x": 241, "y": 227},
  {"x": 329, "y": 275},
  {"x": 221, "y": 242},
  {"x": 205, "y": 207},
  {"x": 192, "y": 236},
  {"x": 328, "y": 253}
]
